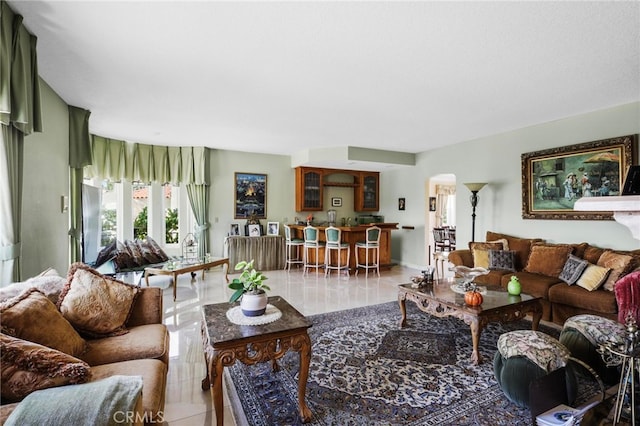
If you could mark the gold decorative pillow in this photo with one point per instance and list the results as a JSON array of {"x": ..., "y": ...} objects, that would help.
[
  {"x": 95, "y": 304},
  {"x": 26, "y": 367},
  {"x": 32, "y": 316},
  {"x": 548, "y": 259},
  {"x": 593, "y": 277},
  {"x": 480, "y": 252},
  {"x": 620, "y": 264}
]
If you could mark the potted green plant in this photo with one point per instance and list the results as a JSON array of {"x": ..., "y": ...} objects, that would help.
[{"x": 251, "y": 287}]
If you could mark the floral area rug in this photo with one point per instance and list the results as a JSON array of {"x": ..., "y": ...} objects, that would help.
[{"x": 365, "y": 370}]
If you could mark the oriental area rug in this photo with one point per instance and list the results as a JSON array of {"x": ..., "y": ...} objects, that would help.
[{"x": 365, "y": 370}]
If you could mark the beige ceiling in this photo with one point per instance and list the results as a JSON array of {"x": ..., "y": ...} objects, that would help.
[{"x": 288, "y": 77}]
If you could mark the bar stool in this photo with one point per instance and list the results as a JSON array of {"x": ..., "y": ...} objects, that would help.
[
  {"x": 292, "y": 244},
  {"x": 312, "y": 244},
  {"x": 372, "y": 242},
  {"x": 333, "y": 237}
]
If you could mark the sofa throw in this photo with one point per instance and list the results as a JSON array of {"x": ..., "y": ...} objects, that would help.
[
  {"x": 627, "y": 292},
  {"x": 104, "y": 402}
]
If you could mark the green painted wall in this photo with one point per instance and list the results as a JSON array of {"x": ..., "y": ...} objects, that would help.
[
  {"x": 494, "y": 159},
  {"x": 46, "y": 179}
]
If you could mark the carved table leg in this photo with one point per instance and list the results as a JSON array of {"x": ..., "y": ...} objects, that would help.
[
  {"x": 537, "y": 316},
  {"x": 476, "y": 358},
  {"x": 216, "y": 391},
  {"x": 403, "y": 309},
  {"x": 305, "y": 359}
]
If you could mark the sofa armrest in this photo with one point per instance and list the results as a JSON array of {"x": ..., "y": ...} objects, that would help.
[
  {"x": 147, "y": 308},
  {"x": 461, "y": 258}
]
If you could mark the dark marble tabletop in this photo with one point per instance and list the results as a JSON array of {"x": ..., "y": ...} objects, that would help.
[{"x": 221, "y": 331}]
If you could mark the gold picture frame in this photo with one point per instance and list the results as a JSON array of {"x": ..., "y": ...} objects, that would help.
[{"x": 553, "y": 179}]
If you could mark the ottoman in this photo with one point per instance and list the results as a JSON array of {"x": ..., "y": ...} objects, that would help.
[
  {"x": 524, "y": 356},
  {"x": 582, "y": 334}
]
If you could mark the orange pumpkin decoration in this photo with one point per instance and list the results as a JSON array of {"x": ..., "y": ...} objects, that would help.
[{"x": 473, "y": 298}]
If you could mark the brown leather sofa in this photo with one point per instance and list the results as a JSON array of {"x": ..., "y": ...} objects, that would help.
[
  {"x": 142, "y": 351},
  {"x": 538, "y": 266}
]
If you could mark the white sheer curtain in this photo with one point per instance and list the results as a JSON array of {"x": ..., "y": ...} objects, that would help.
[{"x": 443, "y": 192}]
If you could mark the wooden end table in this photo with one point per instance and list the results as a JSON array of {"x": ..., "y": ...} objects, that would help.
[
  {"x": 438, "y": 299},
  {"x": 185, "y": 269},
  {"x": 225, "y": 342}
]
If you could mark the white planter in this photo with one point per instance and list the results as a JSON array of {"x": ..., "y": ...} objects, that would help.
[{"x": 253, "y": 305}]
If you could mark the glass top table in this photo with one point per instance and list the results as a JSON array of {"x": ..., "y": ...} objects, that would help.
[
  {"x": 175, "y": 269},
  {"x": 439, "y": 299}
]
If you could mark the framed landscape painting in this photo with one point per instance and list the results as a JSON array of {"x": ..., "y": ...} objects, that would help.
[
  {"x": 250, "y": 196},
  {"x": 553, "y": 179}
]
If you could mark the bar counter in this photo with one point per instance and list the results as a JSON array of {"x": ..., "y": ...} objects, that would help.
[{"x": 354, "y": 234}]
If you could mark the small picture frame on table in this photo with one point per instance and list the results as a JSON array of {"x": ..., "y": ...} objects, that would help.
[
  {"x": 273, "y": 228},
  {"x": 234, "y": 230},
  {"x": 254, "y": 230}
]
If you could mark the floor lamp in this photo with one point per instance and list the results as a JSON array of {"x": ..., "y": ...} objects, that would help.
[{"x": 474, "y": 187}]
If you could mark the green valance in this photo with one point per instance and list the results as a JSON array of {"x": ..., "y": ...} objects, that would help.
[
  {"x": 19, "y": 80},
  {"x": 116, "y": 160}
]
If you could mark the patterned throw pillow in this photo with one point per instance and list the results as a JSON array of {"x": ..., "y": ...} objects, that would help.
[
  {"x": 32, "y": 316},
  {"x": 573, "y": 269},
  {"x": 593, "y": 277},
  {"x": 26, "y": 367},
  {"x": 95, "y": 304},
  {"x": 502, "y": 259}
]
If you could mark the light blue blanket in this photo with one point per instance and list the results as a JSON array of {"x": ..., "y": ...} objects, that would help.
[{"x": 109, "y": 401}]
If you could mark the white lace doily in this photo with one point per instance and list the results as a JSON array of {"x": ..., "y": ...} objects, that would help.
[
  {"x": 236, "y": 316},
  {"x": 457, "y": 288}
]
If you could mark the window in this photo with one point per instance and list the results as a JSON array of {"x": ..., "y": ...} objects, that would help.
[
  {"x": 140, "y": 210},
  {"x": 126, "y": 210},
  {"x": 108, "y": 213},
  {"x": 171, "y": 203}
]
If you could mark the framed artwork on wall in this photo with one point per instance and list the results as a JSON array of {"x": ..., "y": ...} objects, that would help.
[
  {"x": 553, "y": 179},
  {"x": 432, "y": 204},
  {"x": 250, "y": 195},
  {"x": 401, "y": 203}
]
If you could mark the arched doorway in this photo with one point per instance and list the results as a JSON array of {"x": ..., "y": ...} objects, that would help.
[{"x": 440, "y": 209}]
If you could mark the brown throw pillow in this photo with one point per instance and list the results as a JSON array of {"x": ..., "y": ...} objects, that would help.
[
  {"x": 548, "y": 259},
  {"x": 95, "y": 304},
  {"x": 522, "y": 246},
  {"x": 620, "y": 265},
  {"x": 480, "y": 252},
  {"x": 32, "y": 316},
  {"x": 26, "y": 367}
]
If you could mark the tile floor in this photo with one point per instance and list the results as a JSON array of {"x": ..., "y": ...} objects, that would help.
[{"x": 186, "y": 403}]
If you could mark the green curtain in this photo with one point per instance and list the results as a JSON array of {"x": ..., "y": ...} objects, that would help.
[
  {"x": 19, "y": 116},
  {"x": 199, "y": 199},
  {"x": 11, "y": 155},
  {"x": 79, "y": 157},
  {"x": 116, "y": 160}
]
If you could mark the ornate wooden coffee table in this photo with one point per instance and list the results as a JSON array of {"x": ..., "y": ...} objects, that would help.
[
  {"x": 438, "y": 299},
  {"x": 185, "y": 269},
  {"x": 225, "y": 342}
]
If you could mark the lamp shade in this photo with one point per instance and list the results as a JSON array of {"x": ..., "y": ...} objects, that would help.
[{"x": 475, "y": 186}]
